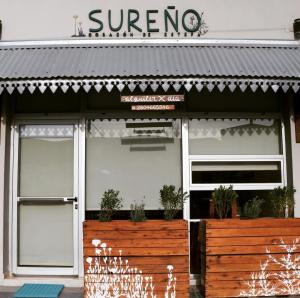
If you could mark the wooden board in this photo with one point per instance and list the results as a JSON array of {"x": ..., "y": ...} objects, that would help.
[
  {"x": 147, "y": 248},
  {"x": 234, "y": 251}
]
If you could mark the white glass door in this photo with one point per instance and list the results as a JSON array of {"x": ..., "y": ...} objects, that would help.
[{"x": 45, "y": 235}]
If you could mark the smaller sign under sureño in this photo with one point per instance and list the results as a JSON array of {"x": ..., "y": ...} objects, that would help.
[
  {"x": 152, "y": 98},
  {"x": 153, "y": 107}
]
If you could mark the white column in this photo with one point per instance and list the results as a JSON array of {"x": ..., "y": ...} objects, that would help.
[
  {"x": 295, "y": 162},
  {"x": 2, "y": 179},
  {"x": 81, "y": 198},
  {"x": 185, "y": 167}
]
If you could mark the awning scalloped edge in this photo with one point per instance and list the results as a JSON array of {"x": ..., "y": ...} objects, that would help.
[{"x": 168, "y": 84}]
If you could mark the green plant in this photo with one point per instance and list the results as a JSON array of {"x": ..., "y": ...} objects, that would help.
[
  {"x": 223, "y": 198},
  {"x": 172, "y": 200},
  {"x": 110, "y": 202},
  {"x": 252, "y": 208},
  {"x": 137, "y": 212},
  {"x": 282, "y": 200}
]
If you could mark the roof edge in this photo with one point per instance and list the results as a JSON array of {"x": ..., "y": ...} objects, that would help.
[
  {"x": 125, "y": 41},
  {"x": 174, "y": 84}
]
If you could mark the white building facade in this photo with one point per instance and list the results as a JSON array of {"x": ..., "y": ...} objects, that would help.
[{"x": 132, "y": 96}]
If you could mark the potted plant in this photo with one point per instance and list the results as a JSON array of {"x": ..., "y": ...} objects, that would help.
[
  {"x": 252, "y": 208},
  {"x": 137, "y": 212},
  {"x": 110, "y": 202},
  {"x": 223, "y": 199},
  {"x": 172, "y": 200},
  {"x": 282, "y": 201}
]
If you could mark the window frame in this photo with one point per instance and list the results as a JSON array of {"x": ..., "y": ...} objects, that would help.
[
  {"x": 242, "y": 158},
  {"x": 237, "y": 158}
]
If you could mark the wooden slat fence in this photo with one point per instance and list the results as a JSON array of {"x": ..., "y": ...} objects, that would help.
[
  {"x": 132, "y": 253},
  {"x": 236, "y": 262}
]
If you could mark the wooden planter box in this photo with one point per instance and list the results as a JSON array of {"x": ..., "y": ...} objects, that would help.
[
  {"x": 250, "y": 258},
  {"x": 133, "y": 257}
]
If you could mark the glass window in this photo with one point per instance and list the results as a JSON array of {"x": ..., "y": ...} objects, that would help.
[
  {"x": 236, "y": 172},
  {"x": 46, "y": 160},
  {"x": 135, "y": 157},
  {"x": 235, "y": 136},
  {"x": 45, "y": 233}
]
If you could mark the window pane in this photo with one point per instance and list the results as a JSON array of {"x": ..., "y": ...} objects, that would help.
[
  {"x": 236, "y": 172},
  {"x": 135, "y": 157},
  {"x": 234, "y": 136},
  {"x": 45, "y": 234},
  {"x": 46, "y": 160}
]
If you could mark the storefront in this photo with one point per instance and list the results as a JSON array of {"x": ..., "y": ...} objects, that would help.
[{"x": 81, "y": 116}]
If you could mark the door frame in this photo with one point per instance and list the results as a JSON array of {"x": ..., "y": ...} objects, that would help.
[{"x": 28, "y": 270}]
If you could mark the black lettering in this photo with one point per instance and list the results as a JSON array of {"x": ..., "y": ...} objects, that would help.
[
  {"x": 151, "y": 21},
  {"x": 168, "y": 18},
  {"x": 131, "y": 22},
  {"x": 193, "y": 26},
  {"x": 94, "y": 19},
  {"x": 110, "y": 22}
]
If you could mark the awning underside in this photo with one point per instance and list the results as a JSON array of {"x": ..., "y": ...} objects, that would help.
[{"x": 138, "y": 67}]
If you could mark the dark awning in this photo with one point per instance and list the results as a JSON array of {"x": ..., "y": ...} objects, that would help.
[{"x": 141, "y": 65}]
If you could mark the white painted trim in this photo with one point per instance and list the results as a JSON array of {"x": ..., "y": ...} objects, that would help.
[
  {"x": 81, "y": 198},
  {"x": 284, "y": 166},
  {"x": 45, "y": 271},
  {"x": 185, "y": 165},
  {"x": 3, "y": 130},
  {"x": 242, "y": 158},
  {"x": 76, "y": 194},
  {"x": 195, "y": 220},
  {"x": 11, "y": 195},
  {"x": 236, "y": 186},
  {"x": 236, "y": 157},
  {"x": 185, "y": 175},
  {"x": 14, "y": 219},
  {"x": 132, "y": 41}
]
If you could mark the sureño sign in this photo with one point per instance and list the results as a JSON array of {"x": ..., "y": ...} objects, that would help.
[{"x": 131, "y": 20}]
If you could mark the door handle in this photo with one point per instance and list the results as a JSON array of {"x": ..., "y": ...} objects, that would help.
[
  {"x": 40, "y": 199},
  {"x": 71, "y": 199},
  {"x": 47, "y": 199}
]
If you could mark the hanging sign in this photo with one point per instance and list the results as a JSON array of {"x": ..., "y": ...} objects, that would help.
[
  {"x": 152, "y": 98},
  {"x": 153, "y": 107}
]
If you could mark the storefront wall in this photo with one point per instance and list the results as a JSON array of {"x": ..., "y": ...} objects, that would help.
[{"x": 211, "y": 138}]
